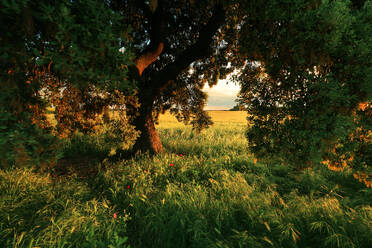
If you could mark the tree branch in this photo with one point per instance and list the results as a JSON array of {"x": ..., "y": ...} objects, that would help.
[
  {"x": 200, "y": 49},
  {"x": 149, "y": 55}
]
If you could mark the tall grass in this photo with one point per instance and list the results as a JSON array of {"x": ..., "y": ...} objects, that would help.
[{"x": 214, "y": 195}]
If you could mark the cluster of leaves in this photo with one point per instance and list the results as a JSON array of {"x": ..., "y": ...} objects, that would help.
[
  {"x": 356, "y": 150},
  {"x": 74, "y": 44},
  {"x": 22, "y": 143},
  {"x": 85, "y": 109},
  {"x": 310, "y": 69}
]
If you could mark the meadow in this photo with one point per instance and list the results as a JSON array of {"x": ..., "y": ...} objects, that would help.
[{"x": 205, "y": 191}]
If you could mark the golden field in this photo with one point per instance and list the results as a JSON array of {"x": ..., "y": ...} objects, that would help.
[{"x": 220, "y": 118}]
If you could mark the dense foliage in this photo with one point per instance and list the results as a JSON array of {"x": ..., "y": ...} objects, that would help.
[
  {"x": 304, "y": 68},
  {"x": 66, "y": 45},
  {"x": 307, "y": 82}
]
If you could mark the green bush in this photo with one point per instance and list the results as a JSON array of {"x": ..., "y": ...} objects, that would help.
[{"x": 25, "y": 144}]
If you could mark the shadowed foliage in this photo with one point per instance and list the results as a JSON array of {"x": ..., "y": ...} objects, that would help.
[
  {"x": 72, "y": 47},
  {"x": 307, "y": 82}
]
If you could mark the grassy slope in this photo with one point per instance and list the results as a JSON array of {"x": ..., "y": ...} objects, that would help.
[{"x": 212, "y": 196}]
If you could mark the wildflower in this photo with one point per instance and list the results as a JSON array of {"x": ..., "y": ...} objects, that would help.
[
  {"x": 128, "y": 186},
  {"x": 171, "y": 164},
  {"x": 181, "y": 155},
  {"x": 115, "y": 215}
]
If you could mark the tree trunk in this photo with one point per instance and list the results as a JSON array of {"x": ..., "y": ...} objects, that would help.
[
  {"x": 149, "y": 139},
  {"x": 148, "y": 91}
]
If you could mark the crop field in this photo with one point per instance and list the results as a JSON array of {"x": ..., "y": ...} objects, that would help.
[{"x": 205, "y": 190}]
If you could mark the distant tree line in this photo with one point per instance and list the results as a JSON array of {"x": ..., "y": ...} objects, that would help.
[{"x": 238, "y": 107}]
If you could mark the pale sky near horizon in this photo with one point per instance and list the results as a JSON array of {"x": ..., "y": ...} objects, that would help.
[{"x": 221, "y": 96}]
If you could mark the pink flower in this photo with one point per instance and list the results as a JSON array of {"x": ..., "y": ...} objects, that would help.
[
  {"x": 181, "y": 155},
  {"x": 115, "y": 215}
]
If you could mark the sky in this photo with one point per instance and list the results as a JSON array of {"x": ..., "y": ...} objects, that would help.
[{"x": 221, "y": 96}]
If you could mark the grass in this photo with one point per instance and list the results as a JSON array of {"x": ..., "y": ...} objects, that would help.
[{"x": 214, "y": 195}]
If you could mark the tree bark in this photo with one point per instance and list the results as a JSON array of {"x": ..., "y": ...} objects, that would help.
[{"x": 148, "y": 140}]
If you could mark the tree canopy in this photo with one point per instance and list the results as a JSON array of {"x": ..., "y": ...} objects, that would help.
[
  {"x": 308, "y": 86},
  {"x": 304, "y": 68},
  {"x": 54, "y": 46}
]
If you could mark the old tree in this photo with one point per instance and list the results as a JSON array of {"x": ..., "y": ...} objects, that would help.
[
  {"x": 180, "y": 45},
  {"x": 304, "y": 68}
]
